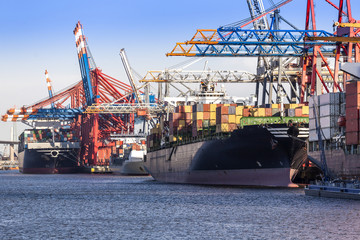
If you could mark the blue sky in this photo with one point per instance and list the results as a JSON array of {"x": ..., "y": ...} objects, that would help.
[{"x": 37, "y": 35}]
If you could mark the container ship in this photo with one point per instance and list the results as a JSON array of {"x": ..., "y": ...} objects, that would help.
[
  {"x": 230, "y": 144},
  {"x": 48, "y": 151},
  {"x": 128, "y": 158}
]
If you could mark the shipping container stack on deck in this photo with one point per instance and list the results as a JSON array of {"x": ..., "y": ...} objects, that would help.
[
  {"x": 327, "y": 108},
  {"x": 352, "y": 113},
  {"x": 204, "y": 118},
  {"x": 226, "y": 116},
  {"x": 201, "y": 120}
]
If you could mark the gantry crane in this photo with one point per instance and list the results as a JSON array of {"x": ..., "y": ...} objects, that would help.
[
  {"x": 94, "y": 88},
  {"x": 237, "y": 41}
]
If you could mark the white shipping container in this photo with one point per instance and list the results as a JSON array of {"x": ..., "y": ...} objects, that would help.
[
  {"x": 328, "y": 121},
  {"x": 327, "y": 110},
  {"x": 312, "y": 100},
  {"x": 325, "y": 122},
  {"x": 313, "y": 136},
  {"x": 312, "y": 124},
  {"x": 329, "y": 98},
  {"x": 311, "y": 112},
  {"x": 327, "y": 134}
]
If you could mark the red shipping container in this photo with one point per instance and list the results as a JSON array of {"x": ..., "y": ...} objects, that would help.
[
  {"x": 352, "y": 100},
  {"x": 246, "y": 112},
  {"x": 206, "y": 107},
  {"x": 206, "y": 115},
  {"x": 352, "y": 113},
  {"x": 352, "y": 125},
  {"x": 352, "y": 88},
  {"x": 352, "y": 138},
  {"x": 268, "y": 112},
  {"x": 298, "y": 112}
]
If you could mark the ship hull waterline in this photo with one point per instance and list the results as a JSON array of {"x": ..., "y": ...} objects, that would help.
[
  {"x": 249, "y": 157},
  {"x": 278, "y": 177},
  {"x": 40, "y": 161}
]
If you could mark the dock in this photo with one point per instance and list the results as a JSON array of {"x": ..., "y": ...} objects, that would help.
[
  {"x": 96, "y": 169},
  {"x": 334, "y": 190}
]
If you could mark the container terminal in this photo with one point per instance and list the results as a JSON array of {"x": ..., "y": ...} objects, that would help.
[{"x": 297, "y": 78}]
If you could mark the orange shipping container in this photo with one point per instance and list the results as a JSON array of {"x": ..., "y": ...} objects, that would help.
[
  {"x": 206, "y": 115},
  {"x": 232, "y": 127},
  {"x": 188, "y": 116},
  {"x": 223, "y": 110},
  {"x": 206, "y": 107},
  {"x": 224, "y": 119},
  {"x": 268, "y": 112},
  {"x": 246, "y": 112},
  {"x": 298, "y": 112}
]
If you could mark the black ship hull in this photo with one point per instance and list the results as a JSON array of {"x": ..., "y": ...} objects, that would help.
[
  {"x": 49, "y": 160},
  {"x": 252, "y": 156}
]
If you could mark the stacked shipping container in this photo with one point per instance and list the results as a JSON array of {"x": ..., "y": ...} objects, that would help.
[
  {"x": 193, "y": 120},
  {"x": 204, "y": 117},
  {"x": 326, "y": 108},
  {"x": 352, "y": 112}
]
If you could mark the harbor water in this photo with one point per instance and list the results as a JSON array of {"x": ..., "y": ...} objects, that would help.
[{"x": 121, "y": 207}]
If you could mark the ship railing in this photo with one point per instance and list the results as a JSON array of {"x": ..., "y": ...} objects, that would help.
[{"x": 186, "y": 140}]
